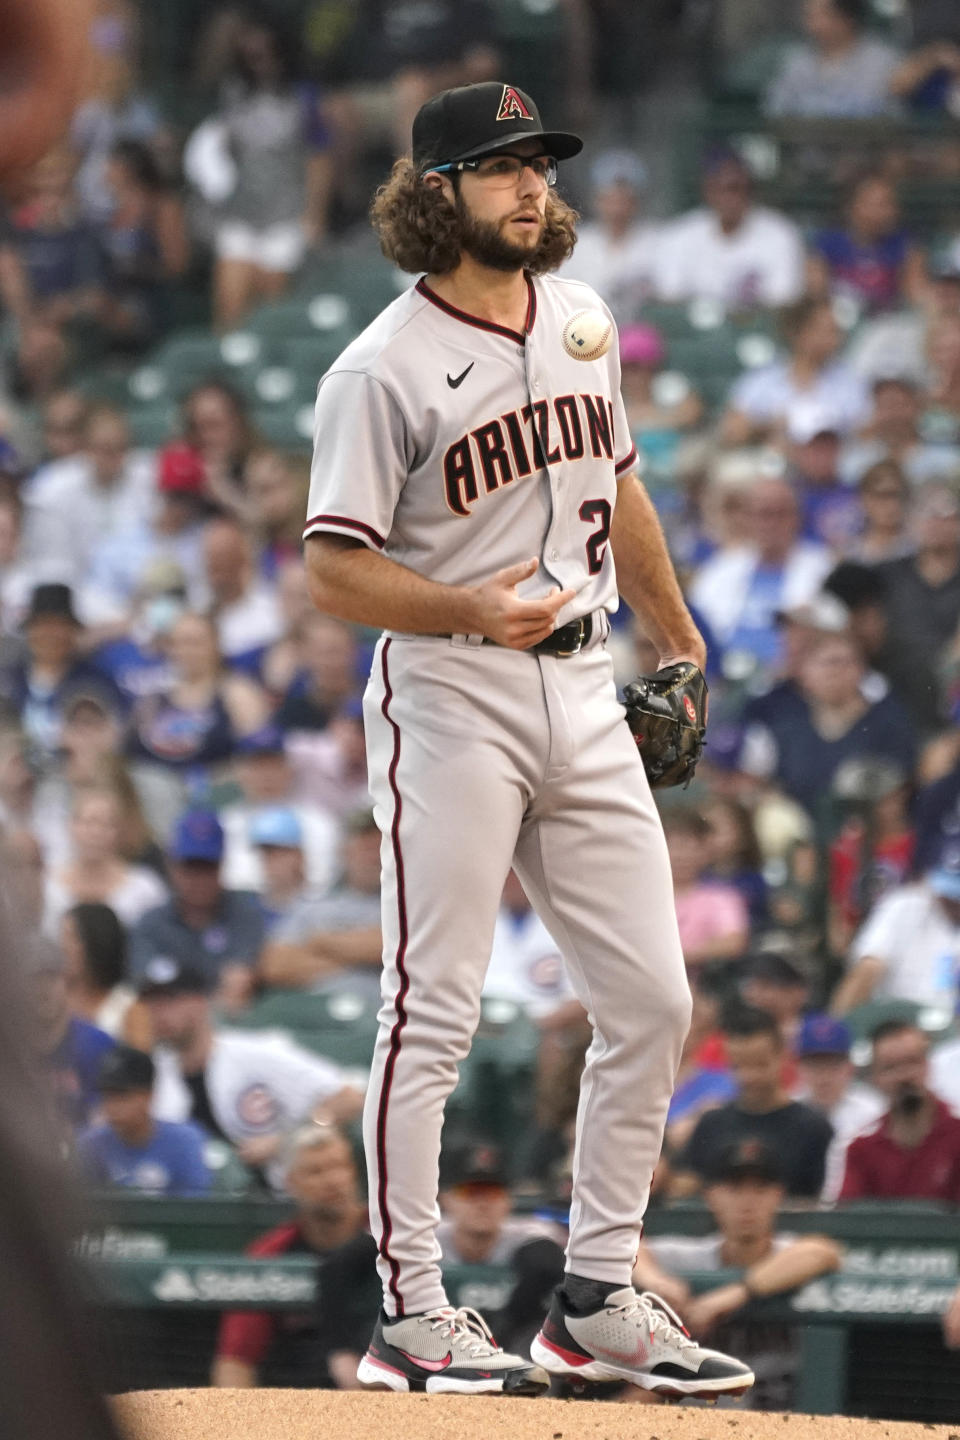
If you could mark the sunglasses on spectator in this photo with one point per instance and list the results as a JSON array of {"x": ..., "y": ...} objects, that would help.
[{"x": 503, "y": 170}]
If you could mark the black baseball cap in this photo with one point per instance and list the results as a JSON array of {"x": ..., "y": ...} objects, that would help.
[
  {"x": 744, "y": 1160},
  {"x": 124, "y": 1069},
  {"x": 166, "y": 975},
  {"x": 474, "y": 1165},
  {"x": 475, "y": 120}
]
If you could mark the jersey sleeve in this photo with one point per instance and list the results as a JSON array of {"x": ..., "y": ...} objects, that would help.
[
  {"x": 305, "y": 1079},
  {"x": 360, "y": 459}
]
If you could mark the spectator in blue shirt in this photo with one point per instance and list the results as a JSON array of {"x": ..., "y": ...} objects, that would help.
[
  {"x": 217, "y": 931},
  {"x": 132, "y": 1150}
]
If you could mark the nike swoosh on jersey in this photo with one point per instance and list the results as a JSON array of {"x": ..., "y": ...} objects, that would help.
[
  {"x": 454, "y": 383},
  {"x": 427, "y": 1364}
]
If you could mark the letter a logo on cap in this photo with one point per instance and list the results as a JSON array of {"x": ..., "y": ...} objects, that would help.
[{"x": 512, "y": 105}]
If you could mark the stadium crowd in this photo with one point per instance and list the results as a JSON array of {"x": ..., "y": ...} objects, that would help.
[{"x": 186, "y": 830}]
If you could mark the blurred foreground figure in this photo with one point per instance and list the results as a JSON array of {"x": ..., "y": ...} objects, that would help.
[
  {"x": 43, "y": 1331},
  {"x": 42, "y": 48}
]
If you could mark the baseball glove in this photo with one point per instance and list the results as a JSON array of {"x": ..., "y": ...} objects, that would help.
[{"x": 665, "y": 713}]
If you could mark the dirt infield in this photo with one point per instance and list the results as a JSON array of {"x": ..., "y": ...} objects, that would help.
[{"x": 309, "y": 1414}]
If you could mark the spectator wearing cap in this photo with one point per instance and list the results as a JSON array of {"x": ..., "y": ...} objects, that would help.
[
  {"x": 909, "y": 946},
  {"x": 195, "y": 721},
  {"x": 169, "y": 539},
  {"x": 277, "y": 836},
  {"x": 870, "y": 261},
  {"x": 478, "y": 1228},
  {"x": 831, "y": 514},
  {"x": 327, "y": 676},
  {"x": 803, "y": 751},
  {"x": 216, "y": 930},
  {"x": 770, "y": 568},
  {"x": 249, "y": 1088},
  {"x": 243, "y": 603},
  {"x": 730, "y": 250},
  {"x": 811, "y": 375},
  {"x": 840, "y": 71},
  {"x": 38, "y": 685},
  {"x": 800, "y": 626},
  {"x": 132, "y": 1150},
  {"x": 267, "y": 780},
  {"x": 96, "y": 868},
  {"x": 108, "y": 489},
  {"x": 763, "y": 1110},
  {"x": 827, "y": 1082},
  {"x": 324, "y": 938},
  {"x": 616, "y": 245},
  {"x": 712, "y": 916},
  {"x": 872, "y": 852},
  {"x": 303, "y": 1349},
  {"x": 744, "y": 1192},
  {"x": 893, "y": 434},
  {"x": 912, "y": 1152},
  {"x": 68, "y": 1049}
]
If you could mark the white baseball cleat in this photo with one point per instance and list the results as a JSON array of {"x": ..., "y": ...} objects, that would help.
[
  {"x": 637, "y": 1338},
  {"x": 445, "y": 1350}
]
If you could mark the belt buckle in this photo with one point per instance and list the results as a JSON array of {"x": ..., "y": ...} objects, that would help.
[{"x": 578, "y": 646}]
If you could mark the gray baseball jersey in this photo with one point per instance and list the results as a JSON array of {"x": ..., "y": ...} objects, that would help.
[{"x": 457, "y": 448}]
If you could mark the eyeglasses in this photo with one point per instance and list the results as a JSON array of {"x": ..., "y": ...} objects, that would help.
[{"x": 503, "y": 170}]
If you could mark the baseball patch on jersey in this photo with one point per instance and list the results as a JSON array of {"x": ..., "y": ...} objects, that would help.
[
  {"x": 512, "y": 106},
  {"x": 257, "y": 1107}
]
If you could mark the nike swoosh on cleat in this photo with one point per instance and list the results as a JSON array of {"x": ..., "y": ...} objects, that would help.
[
  {"x": 426, "y": 1364},
  {"x": 455, "y": 383}
]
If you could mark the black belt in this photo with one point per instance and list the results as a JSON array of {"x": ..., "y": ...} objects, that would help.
[{"x": 568, "y": 640}]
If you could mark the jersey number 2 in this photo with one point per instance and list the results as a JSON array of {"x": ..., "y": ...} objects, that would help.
[{"x": 592, "y": 510}]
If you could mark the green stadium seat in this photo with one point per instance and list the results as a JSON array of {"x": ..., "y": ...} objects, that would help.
[
  {"x": 937, "y": 1021},
  {"x": 191, "y": 356},
  {"x": 153, "y": 425},
  {"x": 289, "y": 425},
  {"x": 340, "y": 1024}
]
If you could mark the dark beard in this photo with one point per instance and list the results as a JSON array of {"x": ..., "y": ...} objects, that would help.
[{"x": 484, "y": 243}]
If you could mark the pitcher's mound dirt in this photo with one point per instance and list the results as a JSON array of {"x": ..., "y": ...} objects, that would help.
[{"x": 314, "y": 1414}]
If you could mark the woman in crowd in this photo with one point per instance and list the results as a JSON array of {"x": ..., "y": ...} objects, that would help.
[
  {"x": 95, "y": 869},
  {"x": 884, "y": 493},
  {"x": 217, "y": 428},
  {"x": 735, "y": 857},
  {"x": 195, "y": 722},
  {"x": 277, "y": 141},
  {"x": 95, "y": 945}
]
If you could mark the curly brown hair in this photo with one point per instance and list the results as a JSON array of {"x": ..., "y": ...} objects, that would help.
[{"x": 420, "y": 231}]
